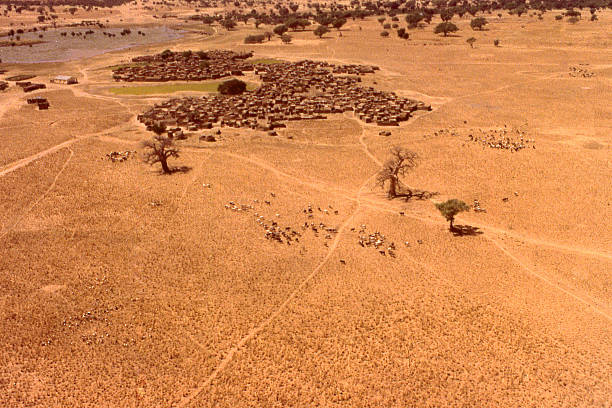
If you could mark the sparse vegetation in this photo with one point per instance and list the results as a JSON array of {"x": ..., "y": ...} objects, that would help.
[
  {"x": 450, "y": 208},
  {"x": 400, "y": 163},
  {"x": 232, "y": 87},
  {"x": 321, "y": 30},
  {"x": 274, "y": 273},
  {"x": 160, "y": 148},
  {"x": 445, "y": 28},
  {"x": 478, "y": 23}
]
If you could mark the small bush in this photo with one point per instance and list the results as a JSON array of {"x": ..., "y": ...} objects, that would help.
[
  {"x": 232, "y": 87},
  {"x": 384, "y": 34},
  {"x": 254, "y": 39}
]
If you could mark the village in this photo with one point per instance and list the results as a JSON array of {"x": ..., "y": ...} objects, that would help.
[
  {"x": 289, "y": 91},
  {"x": 184, "y": 66}
]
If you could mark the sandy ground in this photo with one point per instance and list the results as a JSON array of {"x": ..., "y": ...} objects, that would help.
[{"x": 121, "y": 287}]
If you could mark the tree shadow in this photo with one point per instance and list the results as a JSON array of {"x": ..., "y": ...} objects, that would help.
[
  {"x": 416, "y": 195},
  {"x": 463, "y": 230},
  {"x": 180, "y": 169},
  {"x": 423, "y": 194}
]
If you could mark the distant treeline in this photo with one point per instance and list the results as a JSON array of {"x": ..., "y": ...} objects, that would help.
[
  {"x": 325, "y": 13},
  {"x": 92, "y": 3}
]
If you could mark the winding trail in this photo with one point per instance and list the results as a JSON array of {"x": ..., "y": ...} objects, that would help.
[
  {"x": 31, "y": 207},
  {"x": 299, "y": 289},
  {"x": 27, "y": 160}
]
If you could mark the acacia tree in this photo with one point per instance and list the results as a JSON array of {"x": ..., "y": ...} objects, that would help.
[
  {"x": 228, "y": 24},
  {"x": 450, "y": 208},
  {"x": 478, "y": 23},
  {"x": 446, "y": 15},
  {"x": 413, "y": 19},
  {"x": 321, "y": 30},
  {"x": 160, "y": 148},
  {"x": 445, "y": 28},
  {"x": 400, "y": 163},
  {"x": 280, "y": 30},
  {"x": 471, "y": 41},
  {"x": 338, "y": 23}
]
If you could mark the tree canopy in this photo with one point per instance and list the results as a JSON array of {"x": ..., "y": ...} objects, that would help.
[
  {"x": 400, "y": 162},
  {"x": 478, "y": 23},
  {"x": 450, "y": 208},
  {"x": 280, "y": 29},
  {"x": 160, "y": 148},
  {"x": 321, "y": 30},
  {"x": 232, "y": 87},
  {"x": 445, "y": 28}
]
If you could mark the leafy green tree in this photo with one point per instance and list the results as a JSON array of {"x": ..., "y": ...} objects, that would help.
[
  {"x": 292, "y": 23},
  {"x": 446, "y": 15},
  {"x": 280, "y": 29},
  {"x": 478, "y": 23},
  {"x": 232, "y": 87},
  {"x": 254, "y": 39},
  {"x": 321, "y": 30},
  {"x": 228, "y": 23},
  {"x": 413, "y": 19},
  {"x": 450, "y": 208},
  {"x": 520, "y": 10},
  {"x": 338, "y": 23},
  {"x": 445, "y": 28},
  {"x": 324, "y": 19}
]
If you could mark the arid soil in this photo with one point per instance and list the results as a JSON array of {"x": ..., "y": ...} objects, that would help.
[{"x": 120, "y": 286}]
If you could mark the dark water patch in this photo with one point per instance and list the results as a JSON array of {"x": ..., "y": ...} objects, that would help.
[{"x": 71, "y": 43}]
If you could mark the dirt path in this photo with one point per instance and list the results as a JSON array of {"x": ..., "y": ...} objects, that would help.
[
  {"x": 35, "y": 203},
  {"x": 229, "y": 356},
  {"x": 593, "y": 304},
  {"x": 27, "y": 160},
  {"x": 11, "y": 167}
]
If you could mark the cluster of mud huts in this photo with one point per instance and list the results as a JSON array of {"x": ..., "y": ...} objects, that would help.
[
  {"x": 289, "y": 91},
  {"x": 42, "y": 103},
  {"x": 28, "y": 86},
  {"x": 184, "y": 66}
]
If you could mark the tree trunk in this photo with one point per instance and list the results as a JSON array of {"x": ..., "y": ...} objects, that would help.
[
  {"x": 392, "y": 187},
  {"x": 164, "y": 164},
  {"x": 451, "y": 224}
]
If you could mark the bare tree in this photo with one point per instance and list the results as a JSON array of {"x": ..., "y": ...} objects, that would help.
[
  {"x": 160, "y": 148},
  {"x": 399, "y": 164}
]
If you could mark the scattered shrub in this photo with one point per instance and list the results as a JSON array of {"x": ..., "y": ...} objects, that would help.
[{"x": 232, "y": 87}]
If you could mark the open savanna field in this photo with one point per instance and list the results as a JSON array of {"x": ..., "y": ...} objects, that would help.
[{"x": 122, "y": 287}]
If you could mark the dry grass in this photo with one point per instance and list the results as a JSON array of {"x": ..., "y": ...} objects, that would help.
[{"x": 186, "y": 303}]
